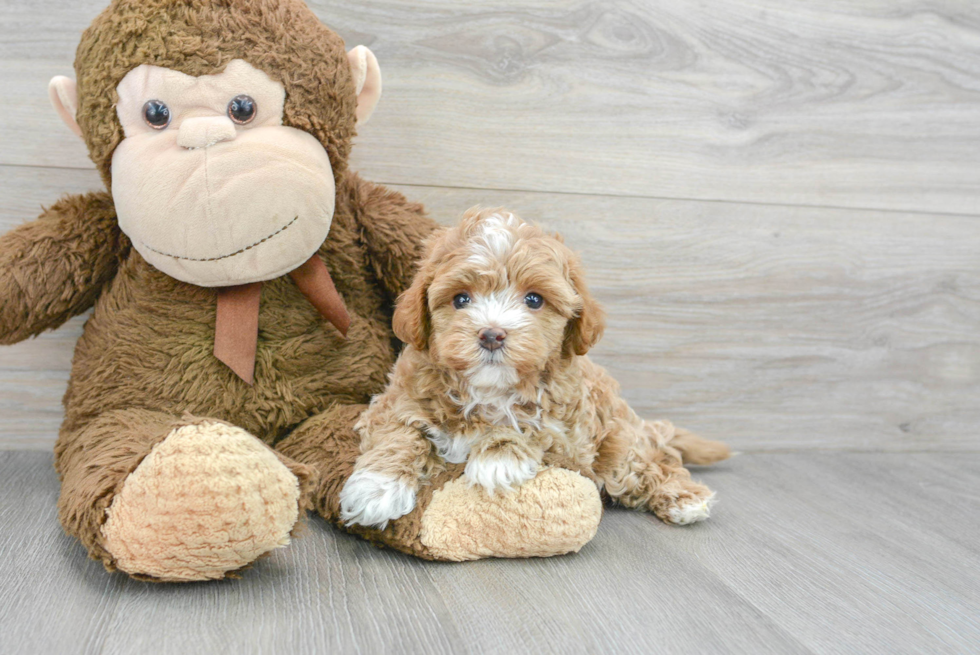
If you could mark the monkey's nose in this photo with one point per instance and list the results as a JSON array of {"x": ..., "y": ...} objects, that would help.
[
  {"x": 205, "y": 131},
  {"x": 492, "y": 338}
]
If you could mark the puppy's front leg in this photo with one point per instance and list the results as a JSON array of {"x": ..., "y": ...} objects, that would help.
[
  {"x": 503, "y": 460},
  {"x": 386, "y": 476}
]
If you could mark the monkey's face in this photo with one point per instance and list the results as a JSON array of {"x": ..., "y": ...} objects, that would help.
[
  {"x": 208, "y": 183},
  {"x": 222, "y": 128}
]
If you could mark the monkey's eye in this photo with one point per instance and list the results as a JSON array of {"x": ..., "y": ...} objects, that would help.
[
  {"x": 533, "y": 300},
  {"x": 241, "y": 109},
  {"x": 461, "y": 300},
  {"x": 156, "y": 114}
]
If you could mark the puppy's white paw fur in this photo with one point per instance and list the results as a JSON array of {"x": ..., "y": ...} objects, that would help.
[
  {"x": 691, "y": 510},
  {"x": 372, "y": 499},
  {"x": 500, "y": 472}
]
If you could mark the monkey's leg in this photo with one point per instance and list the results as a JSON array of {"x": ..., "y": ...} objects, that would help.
[
  {"x": 174, "y": 499},
  {"x": 641, "y": 469},
  {"x": 555, "y": 513}
]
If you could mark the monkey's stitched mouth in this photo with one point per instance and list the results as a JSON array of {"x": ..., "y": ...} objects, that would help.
[{"x": 232, "y": 254}]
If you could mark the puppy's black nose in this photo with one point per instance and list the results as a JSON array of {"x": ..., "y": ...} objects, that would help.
[{"x": 492, "y": 338}]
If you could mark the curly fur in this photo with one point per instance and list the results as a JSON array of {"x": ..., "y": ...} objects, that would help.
[{"x": 512, "y": 409}]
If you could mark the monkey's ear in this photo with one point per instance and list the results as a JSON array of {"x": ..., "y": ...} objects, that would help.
[
  {"x": 64, "y": 98},
  {"x": 367, "y": 81}
]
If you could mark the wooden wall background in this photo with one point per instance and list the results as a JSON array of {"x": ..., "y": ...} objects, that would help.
[{"x": 777, "y": 200}]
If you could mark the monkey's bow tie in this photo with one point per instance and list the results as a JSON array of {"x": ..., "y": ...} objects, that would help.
[{"x": 236, "y": 329}]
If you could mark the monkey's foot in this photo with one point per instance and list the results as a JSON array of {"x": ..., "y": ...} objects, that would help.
[
  {"x": 209, "y": 499},
  {"x": 555, "y": 513}
]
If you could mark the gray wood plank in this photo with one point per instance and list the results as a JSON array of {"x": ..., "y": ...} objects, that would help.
[
  {"x": 39, "y": 562},
  {"x": 852, "y": 552},
  {"x": 624, "y": 592},
  {"x": 770, "y": 327},
  {"x": 812, "y": 552},
  {"x": 841, "y": 553},
  {"x": 30, "y": 408},
  {"x": 870, "y": 104},
  {"x": 325, "y": 593}
]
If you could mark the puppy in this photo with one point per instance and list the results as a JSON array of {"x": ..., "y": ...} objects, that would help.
[{"x": 498, "y": 321}]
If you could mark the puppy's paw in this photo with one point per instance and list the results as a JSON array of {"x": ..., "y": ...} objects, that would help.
[
  {"x": 500, "y": 471},
  {"x": 690, "y": 510},
  {"x": 683, "y": 502},
  {"x": 372, "y": 499}
]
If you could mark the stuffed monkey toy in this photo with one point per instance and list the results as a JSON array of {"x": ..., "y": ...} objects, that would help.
[{"x": 243, "y": 281}]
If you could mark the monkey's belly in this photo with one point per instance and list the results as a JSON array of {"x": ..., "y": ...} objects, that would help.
[{"x": 149, "y": 344}]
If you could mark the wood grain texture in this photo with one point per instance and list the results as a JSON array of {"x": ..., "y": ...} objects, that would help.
[
  {"x": 740, "y": 306},
  {"x": 805, "y": 553},
  {"x": 860, "y": 104},
  {"x": 778, "y": 327},
  {"x": 769, "y": 327}
]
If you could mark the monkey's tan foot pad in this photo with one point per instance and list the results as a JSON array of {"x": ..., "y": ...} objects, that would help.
[
  {"x": 557, "y": 512},
  {"x": 208, "y": 499}
]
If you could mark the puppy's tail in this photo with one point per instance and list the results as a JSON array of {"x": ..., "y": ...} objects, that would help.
[{"x": 697, "y": 450}]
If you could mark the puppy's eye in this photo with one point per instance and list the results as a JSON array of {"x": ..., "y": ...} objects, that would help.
[
  {"x": 533, "y": 300},
  {"x": 156, "y": 114},
  {"x": 461, "y": 300},
  {"x": 241, "y": 109}
]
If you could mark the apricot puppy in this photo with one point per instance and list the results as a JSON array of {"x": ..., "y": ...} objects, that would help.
[{"x": 498, "y": 321}]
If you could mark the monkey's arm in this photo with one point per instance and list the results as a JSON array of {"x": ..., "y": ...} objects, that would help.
[
  {"x": 393, "y": 230},
  {"x": 53, "y": 268}
]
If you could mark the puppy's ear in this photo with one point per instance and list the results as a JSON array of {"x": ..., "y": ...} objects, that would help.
[
  {"x": 585, "y": 330},
  {"x": 411, "y": 319}
]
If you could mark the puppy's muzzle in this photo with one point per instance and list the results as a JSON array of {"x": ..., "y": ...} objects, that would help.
[{"x": 492, "y": 338}]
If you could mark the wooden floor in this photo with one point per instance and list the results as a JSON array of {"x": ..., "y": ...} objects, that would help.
[
  {"x": 806, "y": 553},
  {"x": 779, "y": 205}
]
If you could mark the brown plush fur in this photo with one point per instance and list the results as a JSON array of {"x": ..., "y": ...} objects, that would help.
[
  {"x": 149, "y": 342},
  {"x": 148, "y": 345},
  {"x": 144, "y": 367},
  {"x": 54, "y": 268},
  {"x": 506, "y": 410},
  {"x": 144, "y": 364},
  {"x": 283, "y": 38}
]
